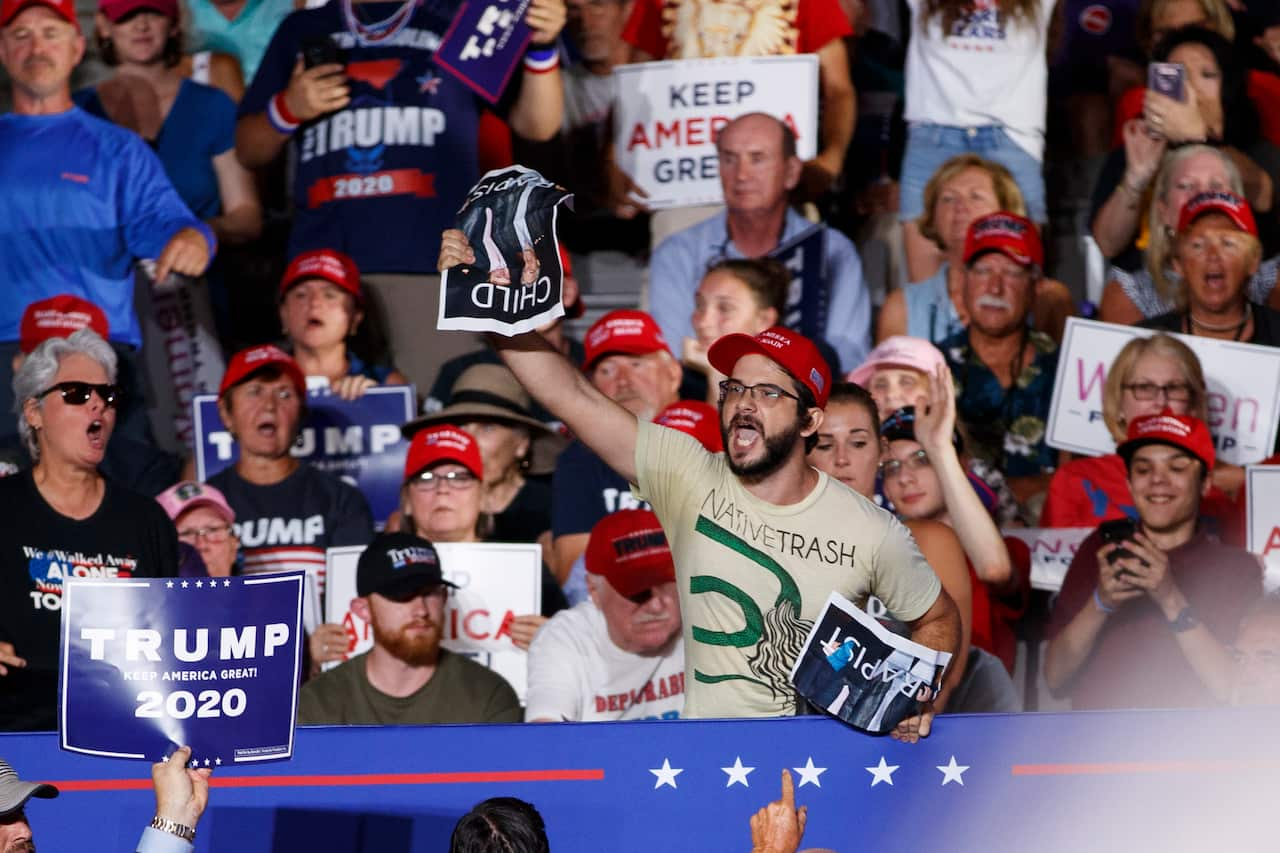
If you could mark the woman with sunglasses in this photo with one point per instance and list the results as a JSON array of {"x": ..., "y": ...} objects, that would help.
[
  {"x": 441, "y": 499},
  {"x": 62, "y": 518},
  {"x": 848, "y": 450}
]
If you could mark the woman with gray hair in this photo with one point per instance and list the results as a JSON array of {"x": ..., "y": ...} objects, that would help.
[
  {"x": 1130, "y": 297},
  {"x": 62, "y": 518}
]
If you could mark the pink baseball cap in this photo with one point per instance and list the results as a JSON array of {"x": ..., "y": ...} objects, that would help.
[
  {"x": 694, "y": 418},
  {"x": 188, "y": 495},
  {"x": 790, "y": 350},
  {"x": 899, "y": 351}
]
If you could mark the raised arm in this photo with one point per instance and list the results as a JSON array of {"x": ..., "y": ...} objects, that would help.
[
  {"x": 601, "y": 424},
  {"x": 978, "y": 534}
]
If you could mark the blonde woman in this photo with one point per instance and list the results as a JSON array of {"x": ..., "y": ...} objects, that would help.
[{"x": 965, "y": 188}]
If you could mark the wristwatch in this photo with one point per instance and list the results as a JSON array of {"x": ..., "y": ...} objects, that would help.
[
  {"x": 172, "y": 827},
  {"x": 1184, "y": 621}
]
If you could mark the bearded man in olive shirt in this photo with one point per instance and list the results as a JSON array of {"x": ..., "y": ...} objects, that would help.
[{"x": 406, "y": 678}]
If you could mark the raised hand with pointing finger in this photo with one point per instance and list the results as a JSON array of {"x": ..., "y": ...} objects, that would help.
[{"x": 779, "y": 826}]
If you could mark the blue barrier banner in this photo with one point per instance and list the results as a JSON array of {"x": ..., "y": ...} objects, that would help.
[
  {"x": 809, "y": 298},
  {"x": 357, "y": 440},
  {"x": 1128, "y": 782},
  {"x": 484, "y": 44},
  {"x": 149, "y": 664}
]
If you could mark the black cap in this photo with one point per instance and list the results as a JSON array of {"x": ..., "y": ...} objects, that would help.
[
  {"x": 397, "y": 566},
  {"x": 901, "y": 426}
]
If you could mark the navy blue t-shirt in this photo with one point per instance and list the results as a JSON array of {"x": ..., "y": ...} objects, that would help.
[
  {"x": 585, "y": 490},
  {"x": 200, "y": 126},
  {"x": 382, "y": 177}
]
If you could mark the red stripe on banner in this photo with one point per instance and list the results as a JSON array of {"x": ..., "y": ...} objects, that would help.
[
  {"x": 1116, "y": 768},
  {"x": 364, "y": 780}
]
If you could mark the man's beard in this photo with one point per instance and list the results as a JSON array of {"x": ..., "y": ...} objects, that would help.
[
  {"x": 417, "y": 650},
  {"x": 776, "y": 448},
  {"x": 23, "y": 846}
]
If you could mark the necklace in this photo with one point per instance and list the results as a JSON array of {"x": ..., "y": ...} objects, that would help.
[
  {"x": 379, "y": 32},
  {"x": 1236, "y": 328}
]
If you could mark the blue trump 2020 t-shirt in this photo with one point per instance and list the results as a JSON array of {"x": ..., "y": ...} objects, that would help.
[
  {"x": 382, "y": 177},
  {"x": 82, "y": 199}
]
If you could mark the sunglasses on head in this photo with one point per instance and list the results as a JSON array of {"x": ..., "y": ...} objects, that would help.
[{"x": 78, "y": 393}]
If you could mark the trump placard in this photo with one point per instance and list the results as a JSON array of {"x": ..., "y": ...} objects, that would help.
[
  {"x": 667, "y": 115},
  {"x": 496, "y": 583},
  {"x": 358, "y": 440},
  {"x": 150, "y": 664},
  {"x": 1243, "y": 391}
]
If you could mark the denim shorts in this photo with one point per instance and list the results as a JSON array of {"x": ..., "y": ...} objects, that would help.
[{"x": 931, "y": 145}]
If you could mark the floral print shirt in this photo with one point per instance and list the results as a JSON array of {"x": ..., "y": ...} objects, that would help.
[{"x": 1005, "y": 427}]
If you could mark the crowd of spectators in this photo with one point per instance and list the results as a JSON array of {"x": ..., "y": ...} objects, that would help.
[{"x": 298, "y": 171}]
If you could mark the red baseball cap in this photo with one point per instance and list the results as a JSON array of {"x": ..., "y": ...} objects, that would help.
[
  {"x": 443, "y": 443},
  {"x": 694, "y": 418},
  {"x": 249, "y": 361},
  {"x": 58, "y": 317},
  {"x": 790, "y": 350},
  {"x": 1181, "y": 431},
  {"x": 331, "y": 265},
  {"x": 1229, "y": 205},
  {"x": 1014, "y": 236},
  {"x": 66, "y": 9},
  {"x": 625, "y": 331},
  {"x": 629, "y": 550},
  {"x": 114, "y": 10}
]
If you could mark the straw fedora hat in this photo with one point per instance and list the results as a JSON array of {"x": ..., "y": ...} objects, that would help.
[{"x": 491, "y": 392}]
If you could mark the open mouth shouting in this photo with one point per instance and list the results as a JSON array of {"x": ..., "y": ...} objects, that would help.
[{"x": 744, "y": 433}]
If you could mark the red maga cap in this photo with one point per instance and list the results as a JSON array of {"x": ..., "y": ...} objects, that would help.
[
  {"x": 329, "y": 264},
  {"x": 1014, "y": 236},
  {"x": 66, "y": 9},
  {"x": 249, "y": 361},
  {"x": 625, "y": 331},
  {"x": 790, "y": 350},
  {"x": 1181, "y": 431},
  {"x": 694, "y": 418},
  {"x": 58, "y": 317},
  {"x": 1228, "y": 204},
  {"x": 629, "y": 550},
  {"x": 442, "y": 443},
  {"x": 114, "y": 10}
]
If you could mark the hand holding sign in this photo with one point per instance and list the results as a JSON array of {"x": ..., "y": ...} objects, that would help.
[
  {"x": 501, "y": 267},
  {"x": 182, "y": 793},
  {"x": 779, "y": 826}
]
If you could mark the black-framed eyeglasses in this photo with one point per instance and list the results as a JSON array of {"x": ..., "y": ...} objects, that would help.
[
  {"x": 1178, "y": 392},
  {"x": 78, "y": 393},
  {"x": 432, "y": 481},
  {"x": 765, "y": 393},
  {"x": 914, "y": 462}
]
